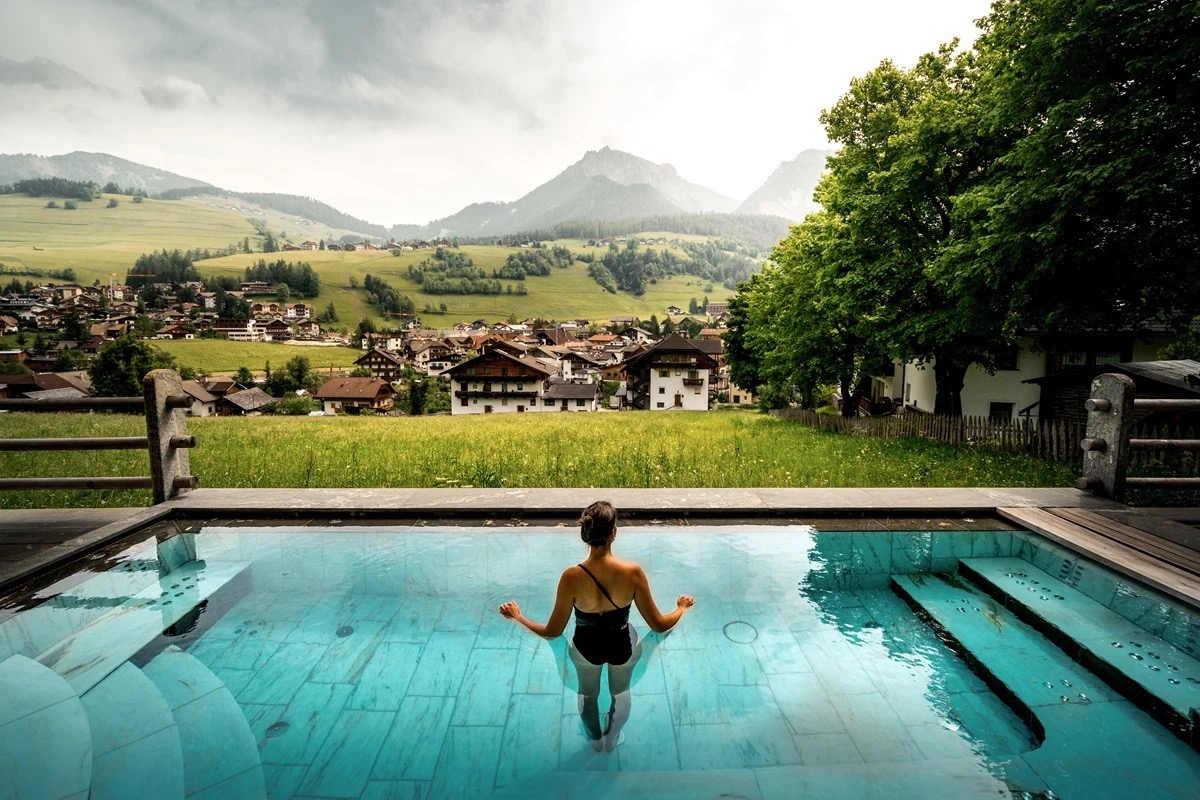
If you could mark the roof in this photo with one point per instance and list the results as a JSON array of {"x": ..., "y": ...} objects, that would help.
[
  {"x": 571, "y": 391},
  {"x": 199, "y": 392},
  {"x": 677, "y": 344},
  {"x": 353, "y": 389},
  {"x": 249, "y": 399},
  {"x": 1167, "y": 375},
  {"x": 67, "y": 393},
  {"x": 491, "y": 355},
  {"x": 389, "y": 355}
]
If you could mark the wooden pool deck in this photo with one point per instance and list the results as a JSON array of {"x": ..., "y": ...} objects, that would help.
[{"x": 1146, "y": 543}]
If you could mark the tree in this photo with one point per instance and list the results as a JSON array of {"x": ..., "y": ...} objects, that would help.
[
  {"x": 119, "y": 367},
  {"x": 111, "y": 188},
  {"x": 1089, "y": 218},
  {"x": 244, "y": 377},
  {"x": 70, "y": 359},
  {"x": 137, "y": 198},
  {"x": 112, "y": 202},
  {"x": 246, "y": 244},
  {"x": 283, "y": 293},
  {"x": 74, "y": 329},
  {"x": 361, "y": 372},
  {"x": 52, "y": 204},
  {"x": 418, "y": 390},
  {"x": 321, "y": 245},
  {"x": 70, "y": 205}
]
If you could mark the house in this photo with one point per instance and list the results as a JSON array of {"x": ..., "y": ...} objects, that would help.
[
  {"x": 298, "y": 311},
  {"x": 352, "y": 395},
  {"x": 174, "y": 332},
  {"x": 382, "y": 363},
  {"x": 571, "y": 397},
  {"x": 246, "y": 403},
  {"x": 8, "y": 325},
  {"x": 1023, "y": 383},
  {"x": 308, "y": 328},
  {"x": 674, "y": 311},
  {"x": 238, "y": 330},
  {"x": 335, "y": 247},
  {"x": 257, "y": 287},
  {"x": 673, "y": 374},
  {"x": 716, "y": 308},
  {"x": 204, "y": 403},
  {"x": 310, "y": 245},
  {"x": 276, "y": 330},
  {"x": 1063, "y": 394},
  {"x": 499, "y": 382},
  {"x": 219, "y": 387}
]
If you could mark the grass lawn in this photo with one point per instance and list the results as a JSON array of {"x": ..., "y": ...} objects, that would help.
[
  {"x": 221, "y": 355},
  {"x": 639, "y": 449}
]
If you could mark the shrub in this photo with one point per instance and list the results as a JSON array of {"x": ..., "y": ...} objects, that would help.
[
  {"x": 52, "y": 204},
  {"x": 70, "y": 205},
  {"x": 112, "y": 202}
]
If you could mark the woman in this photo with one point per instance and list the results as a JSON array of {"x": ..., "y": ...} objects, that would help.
[{"x": 601, "y": 589}]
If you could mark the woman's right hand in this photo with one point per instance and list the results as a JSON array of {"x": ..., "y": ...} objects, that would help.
[{"x": 685, "y": 601}]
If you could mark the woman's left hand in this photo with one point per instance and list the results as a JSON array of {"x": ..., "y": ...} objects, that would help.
[{"x": 510, "y": 610}]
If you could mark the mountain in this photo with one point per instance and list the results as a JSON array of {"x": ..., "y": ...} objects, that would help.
[
  {"x": 788, "y": 193},
  {"x": 98, "y": 167},
  {"x": 605, "y": 184}
]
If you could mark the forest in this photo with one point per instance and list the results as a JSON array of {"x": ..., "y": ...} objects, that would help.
[{"x": 1039, "y": 185}]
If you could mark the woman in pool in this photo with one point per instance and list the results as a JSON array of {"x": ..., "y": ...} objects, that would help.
[{"x": 601, "y": 589}]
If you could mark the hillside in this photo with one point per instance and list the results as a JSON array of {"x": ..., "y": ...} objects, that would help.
[
  {"x": 102, "y": 243},
  {"x": 788, "y": 192},
  {"x": 98, "y": 167}
]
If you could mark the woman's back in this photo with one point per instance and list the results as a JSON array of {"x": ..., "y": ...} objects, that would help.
[{"x": 619, "y": 579}]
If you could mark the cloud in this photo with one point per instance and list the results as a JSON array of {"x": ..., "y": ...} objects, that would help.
[
  {"x": 173, "y": 92},
  {"x": 44, "y": 73}
]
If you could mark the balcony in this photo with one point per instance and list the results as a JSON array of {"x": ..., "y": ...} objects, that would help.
[{"x": 693, "y": 381}]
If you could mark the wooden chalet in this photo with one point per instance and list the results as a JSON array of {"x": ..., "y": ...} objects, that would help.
[
  {"x": 382, "y": 363},
  {"x": 673, "y": 374},
  {"x": 352, "y": 395},
  {"x": 498, "y": 381}
]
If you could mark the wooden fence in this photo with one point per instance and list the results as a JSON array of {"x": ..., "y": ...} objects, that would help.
[{"x": 1054, "y": 440}]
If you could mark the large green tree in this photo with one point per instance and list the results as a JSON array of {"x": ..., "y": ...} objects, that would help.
[
  {"x": 1089, "y": 218},
  {"x": 119, "y": 367}
]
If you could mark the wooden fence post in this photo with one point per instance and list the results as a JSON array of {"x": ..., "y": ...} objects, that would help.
[
  {"x": 163, "y": 423},
  {"x": 1106, "y": 448}
]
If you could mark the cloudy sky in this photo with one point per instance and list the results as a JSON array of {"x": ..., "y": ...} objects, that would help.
[{"x": 406, "y": 111}]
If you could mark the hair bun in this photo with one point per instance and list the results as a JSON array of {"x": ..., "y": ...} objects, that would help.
[{"x": 586, "y": 521}]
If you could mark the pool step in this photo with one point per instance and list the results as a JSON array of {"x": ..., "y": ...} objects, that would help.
[
  {"x": 45, "y": 741},
  {"x": 1155, "y": 673},
  {"x": 90, "y": 654},
  {"x": 73, "y": 603},
  {"x": 135, "y": 742},
  {"x": 1092, "y": 739},
  {"x": 220, "y": 754}
]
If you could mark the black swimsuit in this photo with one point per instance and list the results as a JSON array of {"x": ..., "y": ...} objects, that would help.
[{"x": 604, "y": 637}]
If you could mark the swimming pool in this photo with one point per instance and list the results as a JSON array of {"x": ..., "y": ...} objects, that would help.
[{"x": 369, "y": 662}]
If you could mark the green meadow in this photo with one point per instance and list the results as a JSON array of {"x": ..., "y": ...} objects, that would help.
[
  {"x": 696, "y": 450},
  {"x": 102, "y": 243},
  {"x": 222, "y": 356}
]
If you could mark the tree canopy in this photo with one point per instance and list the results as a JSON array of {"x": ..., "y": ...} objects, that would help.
[{"x": 1041, "y": 184}]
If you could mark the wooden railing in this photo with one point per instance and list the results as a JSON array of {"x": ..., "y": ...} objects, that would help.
[
  {"x": 1110, "y": 443},
  {"x": 166, "y": 439}
]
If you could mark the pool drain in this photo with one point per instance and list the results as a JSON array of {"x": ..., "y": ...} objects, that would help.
[
  {"x": 344, "y": 631},
  {"x": 740, "y": 632},
  {"x": 277, "y": 729}
]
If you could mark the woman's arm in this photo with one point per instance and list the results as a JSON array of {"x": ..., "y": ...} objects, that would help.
[
  {"x": 658, "y": 622},
  {"x": 558, "y": 617}
]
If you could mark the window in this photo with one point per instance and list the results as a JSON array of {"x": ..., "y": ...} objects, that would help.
[
  {"x": 693, "y": 374},
  {"x": 1001, "y": 412},
  {"x": 907, "y": 392},
  {"x": 579, "y": 403},
  {"x": 520, "y": 386},
  {"x": 1108, "y": 357},
  {"x": 532, "y": 402},
  {"x": 662, "y": 390},
  {"x": 659, "y": 405},
  {"x": 520, "y": 409},
  {"x": 1010, "y": 359},
  {"x": 678, "y": 373},
  {"x": 503, "y": 401},
  {"x": 664, "y": 373},
  {"x": 737, "y": 399},
  {"x": 475, "y": 401}
]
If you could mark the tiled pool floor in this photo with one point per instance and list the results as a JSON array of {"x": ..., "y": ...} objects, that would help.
[{"x": 372, "y": 663}]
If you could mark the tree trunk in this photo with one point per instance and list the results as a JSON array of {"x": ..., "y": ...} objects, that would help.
[
  {"x": 949, "y": 377},
  {"x": 849, "y": 400}
]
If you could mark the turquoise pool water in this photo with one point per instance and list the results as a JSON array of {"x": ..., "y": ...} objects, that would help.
[{"x": 370, "y": 662}]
